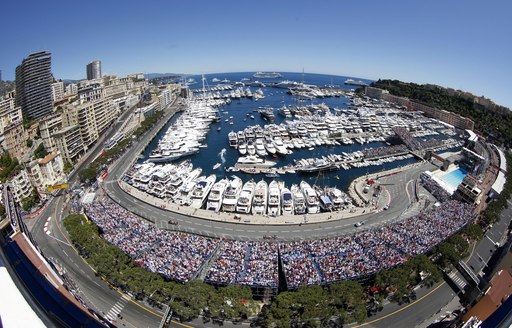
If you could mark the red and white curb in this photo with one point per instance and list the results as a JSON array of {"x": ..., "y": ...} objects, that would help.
[{"x": 45, "y": 229}]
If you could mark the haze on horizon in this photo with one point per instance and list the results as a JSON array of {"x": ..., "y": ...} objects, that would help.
[{"x": 460, "y": 44}]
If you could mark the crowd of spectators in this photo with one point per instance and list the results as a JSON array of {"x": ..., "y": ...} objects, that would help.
[
  {"x": 180, "y": 256},
  {"x": 384, "y": 151},
  {"x": 435, "y": 189}
]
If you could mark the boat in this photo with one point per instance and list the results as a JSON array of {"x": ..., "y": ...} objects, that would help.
[
  {"x": 354, "y": 82},
  {"x": 312, "y": 203},
  {"x": 216, "y": 194},
  {"x": 201, "y": 191},
  {"x": 267, "y": 114},
  {"x": 165, "y": 157},
  {"x": 245, "y": 198},
  {"x": 254, "y": 161},
  {"x": 183, "y": 198},
  {"x": 287, "y": 201},
  {"x": 260, "y": 148},
  {"x": 215, "y": 80},
  {"x": 267, "y": 75},
  {"x": 259, "y": 202},
  {"x": 269, "y": 146},
  {"x": 325, "y": 203},
  {"x": 251, "y": 149},
  {"x": 242, "y": 147},
  {"x": 338, "y": 198},
  {"x": 216, "y": 166},
  {"x": 274, "y": 199},
  {"x": 299, "y": 202},
  {"x": 230, "y": 196},
  {"x": 280, "y": 147},
  {"x": 179, "y": 180}
]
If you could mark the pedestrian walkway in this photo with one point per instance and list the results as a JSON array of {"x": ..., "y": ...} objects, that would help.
[{"x": 114, "y": 312}]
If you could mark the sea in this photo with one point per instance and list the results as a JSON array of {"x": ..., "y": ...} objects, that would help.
[{"x": 218, "y": 150}]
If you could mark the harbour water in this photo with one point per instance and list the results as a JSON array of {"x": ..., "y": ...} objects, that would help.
[{"x": 238, "y": 113}]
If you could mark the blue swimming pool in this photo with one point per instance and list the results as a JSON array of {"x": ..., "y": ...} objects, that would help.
[{"x": 454, "y": 178}]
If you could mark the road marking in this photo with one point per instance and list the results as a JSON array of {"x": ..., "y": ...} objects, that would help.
[{"x": 401, "y": 309}]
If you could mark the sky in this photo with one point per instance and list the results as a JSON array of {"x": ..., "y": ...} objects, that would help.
[{"x": 462, "y": 44}]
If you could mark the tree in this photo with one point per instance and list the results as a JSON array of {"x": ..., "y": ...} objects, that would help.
[
  {"x": 29, "y": 143},
  {"x": 68, "y": 167},
  {"x": 473, "y": 232},
  {"x": 40, "y": 151},
  {"x": 87, "y": 174},
  {"x": 2, "y": 210}
]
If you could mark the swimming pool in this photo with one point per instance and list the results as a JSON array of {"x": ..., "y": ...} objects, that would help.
[{"x": 454, "y": 178}]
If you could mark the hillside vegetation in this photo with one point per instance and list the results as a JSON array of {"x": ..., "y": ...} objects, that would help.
[{"x": 493, "y": 121}]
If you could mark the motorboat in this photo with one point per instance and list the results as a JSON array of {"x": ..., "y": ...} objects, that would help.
[
  {"x": 201, "y": 191},
  {"x": 255, "y": 161},
  {"x": 312, "y": 203},
  {"x": 259, "y": 202},
  {"x": 216, "y": 194},
  {"x": 299, "y": 202},
  {"x": 287, "y": 201},
  {"x": 245, "y": 198},
  {"x": 230, "y": 197},
  {"x": 274, "y": 199}
]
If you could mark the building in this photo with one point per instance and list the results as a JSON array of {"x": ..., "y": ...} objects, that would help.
[
  {"x": 15, "y": 140},
  {"x": 469, "y": 190},
  {"x": 57, "y": 91},
  {"x": 92, "y": 118},
  {"x": 94, "y": 70},
  {"x": 500, "y": 288},
  {"x": 33, "y": 85},
  {"x": 9, "y": 113},
  {"x": 69, "y": 143},
  {"x": 71, "y": 89},
  {"x": 440, "y": 114},
  {"x": 47, "y": 127},
  {"x": 21, "y": 186},
  {"x": 46, "y": 171}
]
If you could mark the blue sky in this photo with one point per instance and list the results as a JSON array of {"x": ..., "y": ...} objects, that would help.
[{"x": 464, "y": 44}]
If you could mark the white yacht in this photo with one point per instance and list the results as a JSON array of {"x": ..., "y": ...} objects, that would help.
[
  {"x": 280, "y": 147},
  {"x": 299, "y": 202},
  {"x": 201, "y": 191},
  {"x": 312, "y": 202},
  {"x": 336, "y": 196},
  {"x": 230, "y": 197},
  {"x": 259, "y": 202},
  {"x": 251, "y": 150},
  {"x": 260, "y": 148},
  {"x": 183, "y": 198},
  {"x": 255, "y": 161},
  {"x": 179, "y": 180},
  {"x": 245, "y": 198},
  {"x": 233, "y": 139},
  {"x": 269, "y": 146},
  {"x": 287, "y": 201},
  {"x": 274, "y": 199},
  {"x": 215, "y": 197},
  {"x": 242, "y": 147}
]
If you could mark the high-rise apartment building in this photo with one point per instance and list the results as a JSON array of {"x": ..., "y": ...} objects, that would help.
[
  {"x": 94, "y": 70},
  {"x": 34, "y": 85}
]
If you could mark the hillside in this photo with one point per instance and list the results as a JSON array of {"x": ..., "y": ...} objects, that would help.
[{"x": 493, "y": 121}]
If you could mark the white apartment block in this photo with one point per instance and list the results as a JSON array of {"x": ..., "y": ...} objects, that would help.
[
  {"x": 57, "y": 91},
  {"x": 47, "y": 127},
  {"x": 8, "y": 112},
  {"x": 69, "y": 143},
  {"x": 46, "y": 171},
  {"x": 71, "y": 89},
  {"x": 21, "y": 186}
]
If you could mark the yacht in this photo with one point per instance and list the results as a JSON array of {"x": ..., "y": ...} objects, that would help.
[
  {"x": 201, "y": 191},
  {"x": 255, "y": 161},
  {"x": 267, "y": 75},
  {"x": 251, "y": 150},
  {"x": 233, "y": 139},
  {"x": 245, "y": 198},
  {"x": 274, "y": 199},
  {"x": 215, "y": 197},
  {"x": 179, "y": 180},
  {"x": 260, "y": 148},
  {"x": 299, "y": 202},
  {"x": 183, "y": 198},
  {"x": 287, "y": 201},
  {"x": 312, "y": 202},
  {"x": 269, "y": 146},
  {"x": 280, "y": 147},
  {"x": 230, "y": 197},
  {"x": 259, "y": 202},
  {"x": 242, "y": 147},
  {"x": 336, "y": 196}
]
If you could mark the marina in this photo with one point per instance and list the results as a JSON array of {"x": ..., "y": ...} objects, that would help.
[{"x": 302, "y": 158}]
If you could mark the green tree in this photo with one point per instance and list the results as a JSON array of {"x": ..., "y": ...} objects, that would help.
[
  {"x": 29, "y": 143},
  {"x": 40, "y": 151},
  {"x": 68, "y": 167},
  {"x": 473, "y": 232},
  {"x": 2, "y": 210},
  {"x": 87, "y": 174}
]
